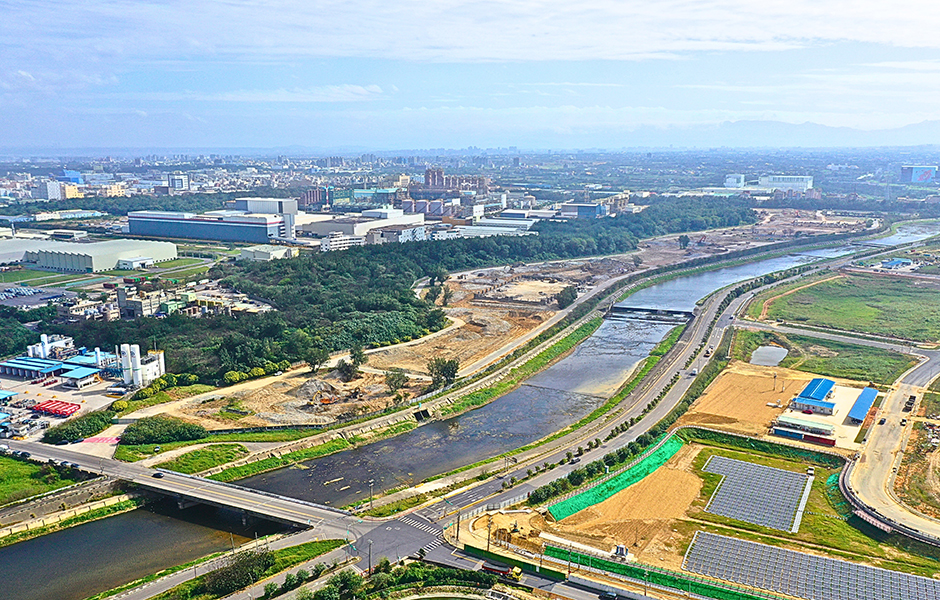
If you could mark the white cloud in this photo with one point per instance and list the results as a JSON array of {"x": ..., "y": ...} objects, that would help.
[{"x": 446, "y": 30}]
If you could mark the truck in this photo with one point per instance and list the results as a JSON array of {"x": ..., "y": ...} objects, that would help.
[{"x": 504, "y": 571}]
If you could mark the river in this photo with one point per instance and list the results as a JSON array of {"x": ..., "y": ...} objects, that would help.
[{"x": 75, "y": 563}]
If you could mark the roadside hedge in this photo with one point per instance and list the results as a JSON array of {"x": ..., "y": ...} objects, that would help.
[
  {"x": 162, "y": 430},
  {"x": 80, "y": 427}
]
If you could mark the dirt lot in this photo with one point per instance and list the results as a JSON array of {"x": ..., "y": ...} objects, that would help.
[
  {"x": 485, "y": 330},
  {"x": 737, "y": 400},
  {"x": 918, "y": 478},
  {"x": 301, "y": 399}
]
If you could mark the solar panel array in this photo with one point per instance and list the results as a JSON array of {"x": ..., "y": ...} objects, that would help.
[
  {"x": 800, "y": 574},
  {"x": 755, "y": 493}
]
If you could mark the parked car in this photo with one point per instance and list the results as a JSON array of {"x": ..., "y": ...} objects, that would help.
[{"x": 882, "y": 421}]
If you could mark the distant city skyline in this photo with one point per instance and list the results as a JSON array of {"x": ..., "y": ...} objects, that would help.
[{"x": 536, "y": 74}]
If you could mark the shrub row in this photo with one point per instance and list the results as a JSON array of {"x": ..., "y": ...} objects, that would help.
[
  {"x": 162, "y": 429},
  {"x": 80, "y": 427}
]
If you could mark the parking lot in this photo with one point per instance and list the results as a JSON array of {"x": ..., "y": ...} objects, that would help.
[{"x": 90, "y": 398}]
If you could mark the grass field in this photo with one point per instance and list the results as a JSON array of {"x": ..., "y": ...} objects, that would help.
[
  {"x": 133, "y": 453},
  {"x": 178, "y": 262},
  {"x": 22, "y": 275},
  {"x": 21, "y": 479},
  {"x": 827, "y": 357},
  {"x": 202, "y": 459},
  {"x": 866, "y": 304}
]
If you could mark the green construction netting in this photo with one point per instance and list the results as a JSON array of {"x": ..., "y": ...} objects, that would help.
[
  {"x": 654, "y": 576},
  {"x": 605, "y": 490}
]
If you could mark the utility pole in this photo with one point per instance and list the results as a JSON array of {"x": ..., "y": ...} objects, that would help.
[
  {"x": 458, "y": 526},
  {"x": 569, "y": 562},
  {"x": 370, "y": 558},
  {"x": 371, "y": 483}
]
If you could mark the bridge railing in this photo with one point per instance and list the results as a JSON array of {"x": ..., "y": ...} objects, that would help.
[{"x": 261, "y": 492}]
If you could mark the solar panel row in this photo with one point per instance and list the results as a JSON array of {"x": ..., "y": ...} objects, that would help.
[
  {"x": 756, "y": 494},
  {"x": 800, "y": 574}
]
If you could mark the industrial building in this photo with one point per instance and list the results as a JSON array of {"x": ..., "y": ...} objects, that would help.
[
  {"x": 362, "y": 223},
  {"x": 583, "y": 210},
  {"x": 814, "y": 397},
  {"x": 56, "y": 356},
  {"x": 94, "y": 257},
  {"x": 795, "y": 183},
  {"x": 862, "y": 405},
  {"x": 219, "y": 225},
  {"x": 266, "y": 252},
  {"x": 803, "y": 430},
  {"x": 140, "y": 371}
]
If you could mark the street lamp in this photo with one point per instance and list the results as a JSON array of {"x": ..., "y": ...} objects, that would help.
[{"x": 371, "y": 483}]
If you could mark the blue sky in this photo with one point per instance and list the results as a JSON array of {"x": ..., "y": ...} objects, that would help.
[{"x": 453, "y": 73}]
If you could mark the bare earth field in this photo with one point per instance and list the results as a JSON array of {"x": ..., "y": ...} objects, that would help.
[
  {"x": 737, "y": 400},
  {"x": 300, "y": 399}
]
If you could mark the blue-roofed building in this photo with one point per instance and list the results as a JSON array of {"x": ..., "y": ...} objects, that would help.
[
  {"x": 6, "y": 395},
  {"x": 896, "y": 263},
  {"x": 862, "y": 405},
  {"x": 29, "y": 367},
  {"x": 81, "y": 376},
  {"x": 818, "y": 389},
  {"x": 821, "y": 407}
]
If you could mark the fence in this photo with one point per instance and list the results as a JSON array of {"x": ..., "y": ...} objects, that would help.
[
  {"x": 633, "y": 472},
  {"x": 62, "y": 515}
]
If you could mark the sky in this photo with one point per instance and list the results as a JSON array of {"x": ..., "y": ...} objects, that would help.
[{"x": 380, "y": 75}]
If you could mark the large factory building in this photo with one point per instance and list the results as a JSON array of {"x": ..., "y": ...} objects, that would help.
[
  {"x": 96, "y": 256},
  {"x": 219, "y": 225}
]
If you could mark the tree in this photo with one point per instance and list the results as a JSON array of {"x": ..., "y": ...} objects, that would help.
[
  {"x": 357, "y": 355},
  {"x": 446, "y": 295},
  {"x": 395, "y": 379},
  {"x": 347, "y": 370},
  {"x": 637, "y": 261},
  {"x": 567, "y": 296},
  {"x": 443, "y": 371},
  {"x": 304, "y": 594},
  {"x": 316, "y": 358},
  {"x": 684, "y": 241},
  {"x": 433, "y": 293},
  {"x": 270, "y": 589}
]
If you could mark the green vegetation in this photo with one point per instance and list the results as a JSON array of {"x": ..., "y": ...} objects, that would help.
[
  {"x": 22, "y": 479},
  {"x": 386, "y": 580},
  {"x": 161, "y": 397},
  {"x": 133, "y": 453},
  {"x": 13, "y": 336},
  {"x": 84, "y": 426},
  {"x": 197, "y": 461},
  {"x": 92, "y": 515},
  {"x": 867, "y": 304},
  {"x": 275, "y": 462},
  {"x": 334, "y": 300},
  {"x": 177, "y": 262},
  {"x": 397, "y": 506},
  {"x": 244, "y": 568},
  {"x": 827, "y": 357},
  {"x": 161, "y": 429},
  {"x": 566, "y": 297}
]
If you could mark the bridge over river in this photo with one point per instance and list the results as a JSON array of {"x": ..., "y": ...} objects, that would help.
[{"x": 187, "y": 488}]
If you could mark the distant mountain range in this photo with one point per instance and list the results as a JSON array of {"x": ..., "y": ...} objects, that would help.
[{"x": 730, "y": 134}]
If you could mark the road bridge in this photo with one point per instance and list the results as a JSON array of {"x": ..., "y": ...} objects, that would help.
[
  {"x": 292, "y": 511},
  {"x": 650, "y": 314}
]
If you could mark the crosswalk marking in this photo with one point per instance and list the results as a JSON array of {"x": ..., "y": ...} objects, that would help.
[
  {"x": 434, "y": 544},
  {"x": 425, "y": 527}
]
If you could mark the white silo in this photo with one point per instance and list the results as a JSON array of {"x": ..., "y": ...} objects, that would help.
[
  {"x": 135, "y": 366},
  {"x": 126, "y": 364},
  {"x": 97, "y": 357}
]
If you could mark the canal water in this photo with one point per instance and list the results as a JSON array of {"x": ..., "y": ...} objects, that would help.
[
  {"x": 547, "y": 402},
  {"x": 75, "y": 563}
]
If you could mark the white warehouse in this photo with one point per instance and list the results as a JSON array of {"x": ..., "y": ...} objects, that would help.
[{"x": 96, "y": 256}]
